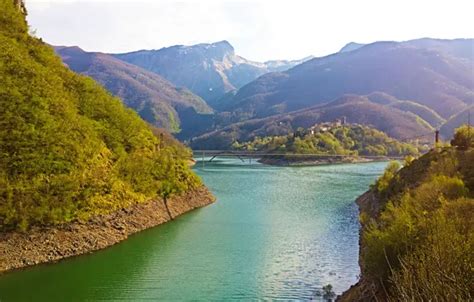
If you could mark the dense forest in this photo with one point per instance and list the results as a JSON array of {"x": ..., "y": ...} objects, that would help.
[
  {"x": 418, "y": 228},
  {"x": 349, "y": 139},
  {"x": 68, "y": 149}
]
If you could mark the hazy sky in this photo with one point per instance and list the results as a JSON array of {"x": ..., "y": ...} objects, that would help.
[{"x": 258, "y": 29}]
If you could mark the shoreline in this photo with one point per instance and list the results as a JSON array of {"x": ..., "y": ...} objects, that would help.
[
  {"x": 302, "y": 162},
  {"x": 54, "y": 243},
  {"x": 362, "y": 290}
]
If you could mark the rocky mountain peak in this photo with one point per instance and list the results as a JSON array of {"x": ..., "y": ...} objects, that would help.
[{"x": 216, "y": 51}]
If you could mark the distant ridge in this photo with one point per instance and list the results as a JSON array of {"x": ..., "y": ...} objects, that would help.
[
  {"x": 155, "y": 99},
  {"x": 208, "y": 69},
  {"x": 396, "y": 123},
  {"x": 462, "y": 118},
  {"x": 433, "y": 73}
]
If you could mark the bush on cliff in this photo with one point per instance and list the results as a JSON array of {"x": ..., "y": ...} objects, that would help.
[
  {"x": 390, "y": 171},
  {"x": 463, "y": 137},
  {"x": 68, "y": 149},
  {"x": 441, "y": 267},
  {"x": 421, "y": 245}
]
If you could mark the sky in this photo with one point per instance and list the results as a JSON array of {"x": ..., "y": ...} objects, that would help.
[{"x": 258, "y": 29}]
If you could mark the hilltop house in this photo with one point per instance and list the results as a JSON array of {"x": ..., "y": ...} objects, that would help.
[{"x": 326, "y": 126}]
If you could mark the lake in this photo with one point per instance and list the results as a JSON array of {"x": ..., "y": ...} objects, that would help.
[{"x": 274, "y": 233}]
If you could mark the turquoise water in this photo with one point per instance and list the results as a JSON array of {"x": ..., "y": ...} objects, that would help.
[{"x": 274, "y": 233}]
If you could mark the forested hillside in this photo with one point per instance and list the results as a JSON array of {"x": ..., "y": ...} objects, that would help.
[
  {"x": 155, "y": 99},
  {"x": 400, "y": 124},
  {"x": 417, "y": 237},
  {"x": 68, "y": 149},
  {"x": 413, "y": 86},
  {"x": 409, "y": 88},
  {"x": 342, "y": 139},
  {"x": 433, "y": 73}
]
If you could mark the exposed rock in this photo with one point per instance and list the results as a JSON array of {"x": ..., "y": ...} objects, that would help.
[
  {"x": 363, "y": 290},
  {"x": 216, "y": 65},
  {"x": 49, "y": 244}
]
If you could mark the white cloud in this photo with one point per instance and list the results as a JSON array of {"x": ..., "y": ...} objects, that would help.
[{"x": 259, "y": 29}]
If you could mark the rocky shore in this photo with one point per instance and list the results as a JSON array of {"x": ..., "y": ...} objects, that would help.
[
  {"x": 364, "y": 290},
  {"x": 50, "y": 244}
]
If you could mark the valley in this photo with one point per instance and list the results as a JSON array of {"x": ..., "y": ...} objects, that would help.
[
  {"x": 145, "y": 157},
  {"x": 275, "y": 98}
]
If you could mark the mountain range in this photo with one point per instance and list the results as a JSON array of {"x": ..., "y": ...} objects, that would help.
[
  {"x": 208, "y": 70},
  {"x": 161, "y": 90},
  {"x": 434, "y": 73},
  {"x": 462, "y": 48},
  {"x": 155, "y": 99},
  {"x": 395, "y": 118},
  {"x": 402, "y": 88}
]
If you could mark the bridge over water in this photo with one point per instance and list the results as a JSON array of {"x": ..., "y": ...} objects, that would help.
[
  {"x": 249, "y": 155},
  {"x": 255, "y": 154}
]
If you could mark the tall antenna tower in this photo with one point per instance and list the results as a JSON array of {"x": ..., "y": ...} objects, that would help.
[{"x": 469, "y": 125}]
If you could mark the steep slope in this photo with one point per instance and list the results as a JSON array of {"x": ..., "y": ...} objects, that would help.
[
  {"x": 209, "y": 70},
  {"x": 69, "y": 150},
  {"x": 155, "y": 99},
  {"x": 417, "y": 235},
  {"x": 356, "y": 109},
  {"x": 426, "y": 76}
]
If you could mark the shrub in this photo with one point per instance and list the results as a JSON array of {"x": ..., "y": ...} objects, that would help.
[
  {"x": 443, "y": 266},
  {"x": 390, "y": 171},
  {"x": 407, "y": 230},
  {"x": 463, "y": 137}
]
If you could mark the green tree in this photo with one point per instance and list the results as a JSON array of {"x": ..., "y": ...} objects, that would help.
[
  {"x": 390, "y": 171},
  {"x": 463, "y": 137},
  {"x": 346, "y": 140},
  {"x": 165, "y": 192},
  {"x": 417, "y": 236},
  {"x": 68, "y": 149}
]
